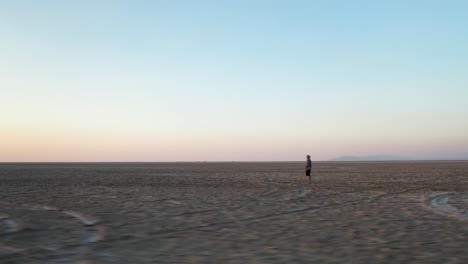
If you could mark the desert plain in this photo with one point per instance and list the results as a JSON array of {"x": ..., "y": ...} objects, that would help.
[{"x": 234, "y": 212}]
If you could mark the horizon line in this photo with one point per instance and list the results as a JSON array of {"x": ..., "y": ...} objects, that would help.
[{"x": 239, "y": 161}]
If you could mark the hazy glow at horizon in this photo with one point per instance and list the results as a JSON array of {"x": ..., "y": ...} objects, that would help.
[{"x": 234, "y": 80}]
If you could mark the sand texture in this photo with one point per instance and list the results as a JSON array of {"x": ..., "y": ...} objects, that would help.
[{"x": 354, "y": 212}]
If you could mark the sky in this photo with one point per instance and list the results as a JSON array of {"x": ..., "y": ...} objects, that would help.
[{"x": 256, "y": 80}]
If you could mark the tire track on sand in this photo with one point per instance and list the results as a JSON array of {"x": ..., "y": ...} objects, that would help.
[{"x": 94, "y": 231}]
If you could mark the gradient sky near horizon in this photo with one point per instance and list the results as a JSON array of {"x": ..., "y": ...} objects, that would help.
[{"x": 218, "y": 80}]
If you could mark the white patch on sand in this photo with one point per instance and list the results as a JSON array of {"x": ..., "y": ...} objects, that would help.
[{"x": 439, "y": 204}]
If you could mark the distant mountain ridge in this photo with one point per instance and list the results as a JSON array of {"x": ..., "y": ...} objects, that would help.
[
  {"x": 390, "y": 158},
  {"x": 372, "y": 158}
]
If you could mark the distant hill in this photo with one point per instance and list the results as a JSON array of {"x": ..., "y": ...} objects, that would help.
[{"x": 371, "y": 158}]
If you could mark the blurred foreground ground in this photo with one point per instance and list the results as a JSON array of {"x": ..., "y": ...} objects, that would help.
[{"x": 355, "y": 212}]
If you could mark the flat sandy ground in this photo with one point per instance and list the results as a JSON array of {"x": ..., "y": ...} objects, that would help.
[{"x": 354, "y": 212}]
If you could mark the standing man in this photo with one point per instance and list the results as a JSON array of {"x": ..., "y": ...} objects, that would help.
[{"x": 308, "y": 168}]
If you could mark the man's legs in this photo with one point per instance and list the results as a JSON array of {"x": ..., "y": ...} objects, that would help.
[{"x": 310, "y": 179}]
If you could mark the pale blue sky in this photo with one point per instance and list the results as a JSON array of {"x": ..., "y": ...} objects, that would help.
[{"x": 232, "y": 80}]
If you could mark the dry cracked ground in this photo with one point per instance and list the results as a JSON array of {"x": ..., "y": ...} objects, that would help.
[{"x": 354, "y": 212}]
